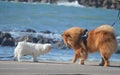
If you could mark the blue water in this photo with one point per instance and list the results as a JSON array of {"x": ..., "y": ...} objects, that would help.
[{"x": 15, "y": 17}]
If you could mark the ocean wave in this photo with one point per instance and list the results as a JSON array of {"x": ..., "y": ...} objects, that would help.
[
  {"x": 63, "y": 3},
  {"x": 56, "y": 37},
  {"x": 74, "y": 4}
]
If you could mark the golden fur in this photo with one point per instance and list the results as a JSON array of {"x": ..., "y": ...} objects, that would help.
[{"x": 101, "y": 39}]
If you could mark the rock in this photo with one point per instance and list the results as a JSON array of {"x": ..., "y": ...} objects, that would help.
[
  {"x": 6, "y": 35},
  {"x": 109, "y": 4},
  {"x": 43, "y": 40},
  {"x": 6, "y": 39},
  {"x": 47, "y": 32},
  {"x": 29, "y": 30},
  {"x": 49, "y": 1},
  {"x": 27, "y": 38},
  {"x": 8, "y": 42},
  {"x": 1, "y": 37}
]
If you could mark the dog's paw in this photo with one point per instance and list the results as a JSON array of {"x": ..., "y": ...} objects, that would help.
[{"x": 81, "y": 63}]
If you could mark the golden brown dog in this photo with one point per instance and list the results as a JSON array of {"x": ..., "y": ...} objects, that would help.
[{"x": 101, "y": 39}]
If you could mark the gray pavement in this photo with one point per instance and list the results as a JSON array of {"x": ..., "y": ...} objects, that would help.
[{"x": 57, "y": 68}]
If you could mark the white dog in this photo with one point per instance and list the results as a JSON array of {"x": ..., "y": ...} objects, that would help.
[{"x": 27, "y": 48}]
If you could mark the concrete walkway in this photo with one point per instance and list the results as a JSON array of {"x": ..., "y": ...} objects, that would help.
[{"x": 57, "y": 68}]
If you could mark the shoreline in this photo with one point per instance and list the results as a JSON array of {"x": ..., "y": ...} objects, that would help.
[
  {"x": 57, "y": 68},
  {"x": 107, "y": 4}
]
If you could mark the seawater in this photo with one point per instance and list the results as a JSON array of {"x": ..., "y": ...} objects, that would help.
[{"x": 56, "y": 18}]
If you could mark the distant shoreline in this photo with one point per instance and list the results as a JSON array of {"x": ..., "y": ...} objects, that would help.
[{"x": 107, "y": 4}]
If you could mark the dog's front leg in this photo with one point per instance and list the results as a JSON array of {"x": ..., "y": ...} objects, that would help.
[
  {"x": 74, "y": 58},
  {"x": 34, "y": 58}
]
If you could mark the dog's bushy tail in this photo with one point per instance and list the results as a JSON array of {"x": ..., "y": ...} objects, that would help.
[
  {"x": 106, "y": 27},
  {"x": 106, "y": 38}
]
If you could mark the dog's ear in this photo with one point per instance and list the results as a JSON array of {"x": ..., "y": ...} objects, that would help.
[{"x": 66, "y": 35}]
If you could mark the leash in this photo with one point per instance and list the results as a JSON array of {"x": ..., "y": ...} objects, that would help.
[{"x": 117, "y": 19}]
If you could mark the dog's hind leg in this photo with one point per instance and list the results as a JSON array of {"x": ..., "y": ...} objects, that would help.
[
  {"x": 102, "y": 62},
  {"x": 106, "y": 61}
]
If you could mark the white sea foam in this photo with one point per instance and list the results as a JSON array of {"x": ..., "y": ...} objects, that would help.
[
  {"x": 60, "y": 2},
  {"x": 55, "y": 37},
  {"x": 74, "y": 4}
]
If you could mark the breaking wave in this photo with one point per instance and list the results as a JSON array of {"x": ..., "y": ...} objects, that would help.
[{"x": 74, "y": 4}]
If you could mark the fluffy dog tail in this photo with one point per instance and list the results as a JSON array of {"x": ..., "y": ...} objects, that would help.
[
  {"x": 106, "y": 38},
  {"x": 106, "y": 27}
]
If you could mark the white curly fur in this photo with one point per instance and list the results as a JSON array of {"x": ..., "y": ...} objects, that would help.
[{"x": 27, "y": 48}]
